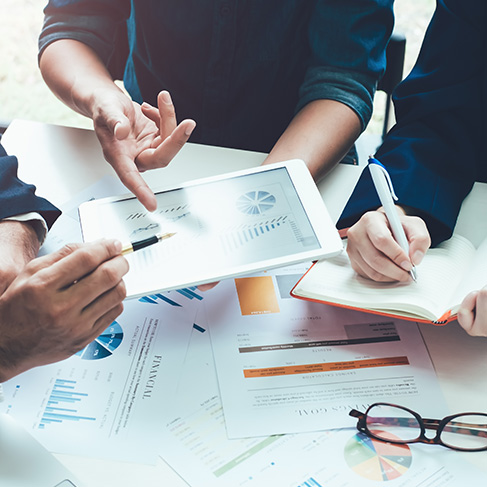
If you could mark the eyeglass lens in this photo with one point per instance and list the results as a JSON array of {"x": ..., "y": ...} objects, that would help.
[
  {"x": 392, "y": 423},
  {"x": 466, "y": 431}
]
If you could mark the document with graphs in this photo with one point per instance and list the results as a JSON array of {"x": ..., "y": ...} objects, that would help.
[
  {"x": 286, "y": 366},
  {"x": 106, "y": 400},
  {"x": 194, "y": 443}
]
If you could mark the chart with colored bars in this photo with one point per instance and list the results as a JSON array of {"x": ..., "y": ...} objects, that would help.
[
  {"x": 62, "y": 404},
  {"x": 187, "y": 293},
  {"x": 377, "y": 460},
  {"x": 104, "y": 345},
  {"x": 311, "y": 482}
]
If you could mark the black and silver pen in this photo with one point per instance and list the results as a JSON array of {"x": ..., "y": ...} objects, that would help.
[{"x": 146, "y": 242}]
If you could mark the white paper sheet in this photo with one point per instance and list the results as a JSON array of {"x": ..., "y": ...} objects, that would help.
[
  {"x": 106, "y": 401},
  {"x": 67, "y": 228},
  {"x": 195, "y": 445},
  {"x": 286, "y": 366}
]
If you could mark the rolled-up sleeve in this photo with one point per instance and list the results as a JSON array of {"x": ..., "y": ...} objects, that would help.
[
  {"x": 94, "y": 23},
  {"x": 348, "y": 42}
]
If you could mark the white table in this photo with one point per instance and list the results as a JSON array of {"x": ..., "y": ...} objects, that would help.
[{"x": 62, "y": 161}]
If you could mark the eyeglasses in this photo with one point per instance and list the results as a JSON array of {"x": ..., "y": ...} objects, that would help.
[{"x": 400, "y": 425}]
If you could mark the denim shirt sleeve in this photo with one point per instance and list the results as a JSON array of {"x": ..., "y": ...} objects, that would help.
[
  {"x": 348, "y": 42},
  {"x": 94, "y": 23}
]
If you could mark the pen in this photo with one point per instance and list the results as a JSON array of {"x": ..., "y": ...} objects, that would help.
[
  {"x": 142, "y": 244},
  {"x": 385, "y": 191}
]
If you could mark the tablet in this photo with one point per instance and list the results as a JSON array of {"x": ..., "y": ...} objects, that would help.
[{"x": 227, "y": 225}]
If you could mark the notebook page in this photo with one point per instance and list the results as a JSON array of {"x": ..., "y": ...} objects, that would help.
[
  {"x": 438, "y": 275},
  {"x": 471, "y": 222},
  {"x": 475, "y": 276}
]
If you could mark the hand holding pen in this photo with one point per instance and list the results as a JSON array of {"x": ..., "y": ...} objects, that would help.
[{"x": 385, "y": 245}]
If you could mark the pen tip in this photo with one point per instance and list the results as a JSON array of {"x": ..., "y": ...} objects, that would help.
[{"x": 162, "y": 236}]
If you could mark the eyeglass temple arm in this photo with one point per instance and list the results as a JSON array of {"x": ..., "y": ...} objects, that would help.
[{"x": 458, "y": 427}]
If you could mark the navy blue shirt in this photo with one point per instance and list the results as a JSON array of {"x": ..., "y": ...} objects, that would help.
[
  {"x": 241, "y": 69},
  {"x": 436, "y": 151},
  {"x": 17, "y": 197}
]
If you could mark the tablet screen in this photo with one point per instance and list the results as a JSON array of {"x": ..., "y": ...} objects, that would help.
[{"x": 220, "y": 226}]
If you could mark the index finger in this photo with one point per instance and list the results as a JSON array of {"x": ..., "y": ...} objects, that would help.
[
  {"x": 131, "y": 178},
  {"x": 418, "y": 238},
  {"x": 382, "y": 239},
  {"x": 84, "y": 260}
]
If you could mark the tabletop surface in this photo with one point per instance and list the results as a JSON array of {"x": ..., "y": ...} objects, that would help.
[{"x": 62, "y": 161}]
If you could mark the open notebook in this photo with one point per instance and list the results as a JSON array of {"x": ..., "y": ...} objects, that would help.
[{"x": 446, "y": 275}]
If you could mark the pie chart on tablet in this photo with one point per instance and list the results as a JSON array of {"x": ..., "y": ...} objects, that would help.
[{"x": 256, "y": 202}]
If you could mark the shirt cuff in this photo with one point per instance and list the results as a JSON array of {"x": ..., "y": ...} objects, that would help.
[{"x": 37, "y": 222}]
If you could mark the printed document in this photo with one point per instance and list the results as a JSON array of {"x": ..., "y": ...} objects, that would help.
[
  {"x": 194, "y": 443},
  {"x": 286, "y": 366},
  {"x": 106, "y": 400}
]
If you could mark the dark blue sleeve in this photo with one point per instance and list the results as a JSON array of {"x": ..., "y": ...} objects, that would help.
[
  {"x": 100, "y": 24},
  {"x": 348, "y": 42},
  {"x": 435, "y": 151},
  {"x": 17, "y": 197}
]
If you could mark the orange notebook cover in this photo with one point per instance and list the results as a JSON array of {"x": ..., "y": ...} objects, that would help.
[{"x": 445, "y": 318}]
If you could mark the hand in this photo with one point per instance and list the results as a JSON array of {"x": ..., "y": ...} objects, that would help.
[
  {"x": 136, "y": 138},
  {"x": 18, "y": 246},
  {"x": 472, "y": 314},
  {"x": 58, "y": 304},
  {"x": 375, "y": 254}
]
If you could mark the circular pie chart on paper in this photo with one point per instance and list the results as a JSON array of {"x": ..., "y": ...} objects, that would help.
[
  {"x": 104, "y": 345},
  {"x": 377, "y": 460},
  {"x": 255, "y": 202}
]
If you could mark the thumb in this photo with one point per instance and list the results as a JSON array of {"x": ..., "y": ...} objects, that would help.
[{"x": 121, "y": 127}]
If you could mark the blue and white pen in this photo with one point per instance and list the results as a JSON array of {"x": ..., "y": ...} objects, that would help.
[{"x": 385, "y": 191}]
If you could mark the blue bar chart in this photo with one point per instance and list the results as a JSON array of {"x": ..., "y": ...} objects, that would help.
[
  {"x": 63, "y": 404},
  {"x": 189, "y": 293},
  {"x": 311, "y": 482}
]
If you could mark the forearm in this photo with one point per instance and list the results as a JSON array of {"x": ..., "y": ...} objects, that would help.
[
  {"x": 85, "y": 80},
  {"x": 321, "y": 134},
  {"x": 19, "y": 244}
]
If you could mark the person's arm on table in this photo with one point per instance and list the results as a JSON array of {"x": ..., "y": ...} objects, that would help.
[
  {"x": 58, "y": 304},
  {"x": 131, "y": 140},
  {"x": 24, "y": 220},
  {"x": 321, "y": 134},
  {"x": 433, "y": 154},
  {"x": 347, "y": 57},
  {"x": 19, "y": 244}
]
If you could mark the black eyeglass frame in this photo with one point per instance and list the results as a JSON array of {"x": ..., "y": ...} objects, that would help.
[{"x": 424, "y": 424}]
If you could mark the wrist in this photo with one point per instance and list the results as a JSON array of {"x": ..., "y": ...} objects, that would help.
[{"x": 19, "y": 244}]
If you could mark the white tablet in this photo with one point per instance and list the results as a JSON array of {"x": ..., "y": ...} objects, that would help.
[{"x": 227, "y": 225}]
